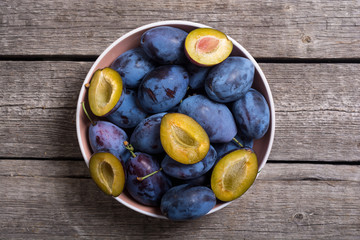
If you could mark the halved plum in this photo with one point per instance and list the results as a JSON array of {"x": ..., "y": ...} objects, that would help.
[
  {"x": 105, "y": 92},
  {"x": 234, "y": 174},
  {"x": 207, "y": 46},
  {"x": 108, "y": 173},
  {"x": 183, "y": 139}
]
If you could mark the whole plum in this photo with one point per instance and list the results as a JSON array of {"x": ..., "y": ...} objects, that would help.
[
  {"x": 132, "y": 66},
  {"x": 230, "y": 80},
  {"x": 150, "y": 190},
  {"x": 107, "y": 137},
  {"x": 224, "y": 148},
  {"x": 164, "y": 44},
  {"x": 186, "y": 202},
  {"x": 146, "y": 136},
  {"x": 189, "y": 171},
  {"x": 252, "y": 114},
  {"x": 215, "y": 118},
  {"x": 129, "y": 114},
  {"x": 163, "y": 88},
  {"x": 203, "y": 180},
  {"x": 197, "y": 75}
]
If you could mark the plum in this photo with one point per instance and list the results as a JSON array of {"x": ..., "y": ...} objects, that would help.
[
  {"x": 189, "y": 171},
  {"x": 129, "y": 114},
  {"x": 252, "y": 114},
  {"x": 197, "y": 75},
  {"x": 163, "y": 88},
  {"x": 186, "y": 202},
  {"x": 230, "y": 80},
  {"x": 215, "y": 118},
  {"x": 132, "y": 66},
  {"x": 146, "y": 136},
  {"x": 108, "y": 173},
  {"x": 105, "y": 92},
  {"x": 234, "y": 174},
  {"x": 150, "y": 190},
  {"x": 164, "y": 44},
  {"x": 207, "y": 46},
  {"x": 107, "y": 137},
  {"x": 224, "y": 148},
  {"x": 183, "y": 139}
]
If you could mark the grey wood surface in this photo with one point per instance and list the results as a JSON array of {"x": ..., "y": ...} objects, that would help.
[
  {"x": 268, "y": 29},
  {"x": 310, "y": 54},
  {"x": 57, "y": 200}
]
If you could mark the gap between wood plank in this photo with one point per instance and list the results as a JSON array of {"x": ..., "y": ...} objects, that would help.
[
  {"x": 356, "y": 162},
  {"x": 92, "y": 58}
]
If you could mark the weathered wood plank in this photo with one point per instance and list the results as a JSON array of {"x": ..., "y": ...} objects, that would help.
[
  {"x": 282, "y": 29},
  {"x": 317, "y": 110},
  {"x": 288, "y": 201}
]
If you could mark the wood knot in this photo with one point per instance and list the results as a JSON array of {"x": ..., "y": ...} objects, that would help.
[
  {"x": 300, "y": 218},
  {"x": 306, "y": 39},
  {"x": 287, "y": 7}
]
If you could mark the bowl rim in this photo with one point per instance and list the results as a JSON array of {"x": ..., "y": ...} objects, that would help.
[{"x": 167, "y": 23}]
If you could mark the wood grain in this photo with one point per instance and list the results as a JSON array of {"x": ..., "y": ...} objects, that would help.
[
  {"x": 268, "y": 29},
  {"x": 317, "y": 110},
  {"x": 49, "y": 199}
]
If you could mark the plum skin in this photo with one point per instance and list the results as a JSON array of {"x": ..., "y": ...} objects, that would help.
[
  {"x": 197, "y": 75},
  {"x": 224, "y": 148},
  {"x": 164, "y": 45},
  {"x": 150, "y": 190},
  {"x": 189, "y": 171},
  {"x": 132, "y": 66},
  {"x": 186, "y": 202},
  {"x": 146, "y": 136},
  {"x": 107, "y": 137},
  {"x": 215, "y": 118},
  {"x": 229, "y": 80},
  {"x": 252, "y": 114},
  {"x": 129, "y": 114},
  {"x": 163, "y": 88}
]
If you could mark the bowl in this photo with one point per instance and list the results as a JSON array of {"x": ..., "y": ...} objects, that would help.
[{"x": 131, "y": 40}]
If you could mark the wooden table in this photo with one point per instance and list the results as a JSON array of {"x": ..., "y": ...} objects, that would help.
[{"x": 310, "y": 53}]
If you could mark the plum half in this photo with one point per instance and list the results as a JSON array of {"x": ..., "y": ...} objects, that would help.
[
  {"x": 183, "y": 139},
  {"x": 105, "y": 92},
  {"x": 207, "y": 47},
  {"x": 234, "y": 174},
  {"x": 108, "y": 173}
]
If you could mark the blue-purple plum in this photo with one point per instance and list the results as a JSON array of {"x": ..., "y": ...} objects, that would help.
[
  {"x": 132, "y": 66},
  {"x": 165, "y": 44},
  {"x": 252, "y": 114},
  {"x": 187, "y": 202},
  {"x": 224, "y": 148},
  {"x": 189, "y": 171},
  {"x": 229, "y": 80},
  {"x": 215, "y": 118},
  {"x": 146, "y": 135},
  {"x": 107, "y": 137},
  {"x": 150, "y": 190},
  {"x": 163, "y": 88},
  {"x": 197, "y": 75},
  {"x": 129, "y": 114}
]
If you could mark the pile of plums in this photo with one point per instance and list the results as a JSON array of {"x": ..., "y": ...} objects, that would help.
[{"x": 177, "y": 118}]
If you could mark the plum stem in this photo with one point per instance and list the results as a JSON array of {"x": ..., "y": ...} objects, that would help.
[
  {"x": 143, "y": 178},
  {"x": 130, "y": 148},
  {"x": 237, "y": 142},
  {"x": 86, "y": 113}
]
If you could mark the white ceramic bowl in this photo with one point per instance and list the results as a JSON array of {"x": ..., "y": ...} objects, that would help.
[{"x": 131, "y": 40}]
